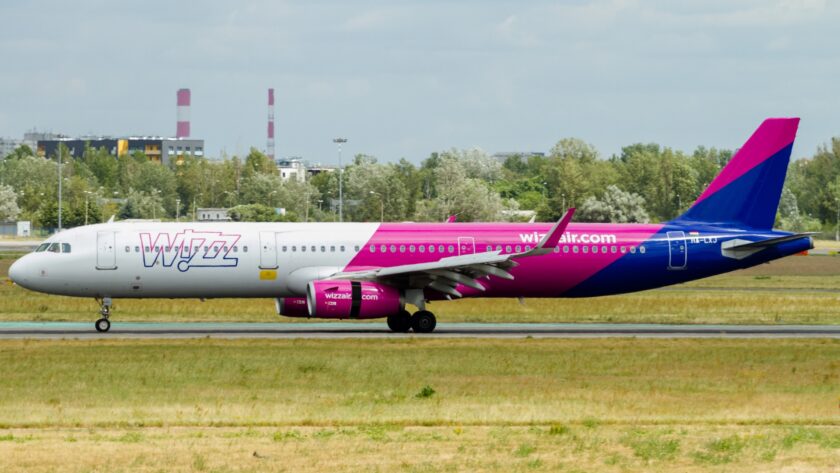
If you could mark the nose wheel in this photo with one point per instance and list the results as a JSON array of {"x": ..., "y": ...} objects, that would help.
[{"x": 103, "y": 324}]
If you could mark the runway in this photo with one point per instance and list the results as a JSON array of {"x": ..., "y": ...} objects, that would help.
[{"x": 337, "y": 330}]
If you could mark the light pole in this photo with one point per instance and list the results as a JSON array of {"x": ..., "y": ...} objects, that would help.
[
  {"x": 339, "y": 142},
  {"x": 87, "y": 198},
  {"x": 381, "y": 206},
  {"x": 564, "y": 202},
  {"x": 154, "y": 204},
  {"x": 195, "y": 208},
  {"x": 58, "y": 154},
  {"x": 177, "y": 210}
]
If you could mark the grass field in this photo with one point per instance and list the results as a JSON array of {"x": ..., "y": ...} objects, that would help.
[
  {"x": 420, "y": 405},
  {"x": 795, "y": 290}
]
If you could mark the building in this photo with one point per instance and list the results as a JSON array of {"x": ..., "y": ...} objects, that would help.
[
  {"x": 158, "y": 149},
  {"x": 8, "y": 145},
  {"x": 293, "y": 169},
  {"x": 212, "y": 214}
]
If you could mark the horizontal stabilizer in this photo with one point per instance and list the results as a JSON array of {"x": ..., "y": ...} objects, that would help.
[{"x": 740, "y": 249}]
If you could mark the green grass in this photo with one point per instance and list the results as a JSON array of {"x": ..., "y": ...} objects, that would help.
[
  {"x": 418, "y": 382},
  {"x": 795, "y": 290},
  {"x": 495, "y": 405}
]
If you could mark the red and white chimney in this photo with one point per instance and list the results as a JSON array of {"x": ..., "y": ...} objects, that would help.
[
  {"x": 269, "y": 149},
  {"x": 183, "y": 128}
]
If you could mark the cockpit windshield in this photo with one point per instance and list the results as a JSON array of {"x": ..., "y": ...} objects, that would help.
[{"x": 53, "y": 248}]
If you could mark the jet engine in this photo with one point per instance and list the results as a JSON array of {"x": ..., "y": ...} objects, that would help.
[
  {"x": 352, "y": 300},
  {"x": 292, "y": 306}
]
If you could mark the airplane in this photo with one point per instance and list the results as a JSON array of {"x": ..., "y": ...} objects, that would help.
[{"x": 373, "y": 270}]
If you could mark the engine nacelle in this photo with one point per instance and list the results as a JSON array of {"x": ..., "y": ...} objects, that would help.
[
  {"x": 292, "y": 306},
  {"x": 352, "y": 300}
]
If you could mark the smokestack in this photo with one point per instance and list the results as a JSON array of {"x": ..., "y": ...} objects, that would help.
[
  {"x": 270, "y": 146},
  {"x": 183, "y": 128}
]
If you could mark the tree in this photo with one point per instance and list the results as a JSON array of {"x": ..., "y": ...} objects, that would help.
[
  {"x": 9, "y": 209},
  {"x": 615, "y": 206},
  {"x": 470, "y": 198}
]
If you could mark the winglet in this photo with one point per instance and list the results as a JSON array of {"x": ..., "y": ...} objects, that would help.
[{"x": 550, "y": 240}]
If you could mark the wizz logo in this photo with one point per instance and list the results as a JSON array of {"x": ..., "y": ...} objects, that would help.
[{"x": 189, "y": 249}]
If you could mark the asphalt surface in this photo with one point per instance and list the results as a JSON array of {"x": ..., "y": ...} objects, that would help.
[{"x": 78, "y": 330}]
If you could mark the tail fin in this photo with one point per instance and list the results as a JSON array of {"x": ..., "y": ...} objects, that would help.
[{"x": 746, "y": 192}]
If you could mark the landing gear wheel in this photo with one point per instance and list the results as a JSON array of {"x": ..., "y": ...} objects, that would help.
[
  {"x": 400, "y": 322},
  {"x": 423, "y": 321},
  {"x": 103, "y": 325}
]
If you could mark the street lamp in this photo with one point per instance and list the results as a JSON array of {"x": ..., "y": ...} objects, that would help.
[
  {"x": 177, "y": 210},
  {"x": 87, "y": 198},
  {"x": 58, "y": 157},
  {"x": 339, "y": 142},
  {"x": 381, "y": 205},
  {"x": 837, "y": 229}
]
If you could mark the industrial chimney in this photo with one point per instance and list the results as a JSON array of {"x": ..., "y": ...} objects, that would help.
[
  {"x": 183, "y": 128},
  {"x": 270, "y": 146}
]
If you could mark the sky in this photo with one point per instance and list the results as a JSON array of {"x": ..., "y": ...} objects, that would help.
[{"x": 402, "y": 79}]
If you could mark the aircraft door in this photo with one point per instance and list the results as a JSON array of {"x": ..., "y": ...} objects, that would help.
[
  {"x": 677, "y": 250},
  {"x": 466, "y": 245},
  {"x": 268, "y": 250},
  {"x": 106, "y": 254}
]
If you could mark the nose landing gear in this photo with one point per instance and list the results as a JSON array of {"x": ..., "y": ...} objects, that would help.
[{"x": 103, "y": 324}]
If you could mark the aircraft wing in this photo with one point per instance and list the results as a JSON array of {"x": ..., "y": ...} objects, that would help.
[{"x": 445, "y": 274}]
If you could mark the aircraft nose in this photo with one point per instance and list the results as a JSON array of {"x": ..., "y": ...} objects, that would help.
[{"x": 17, "y": 272}]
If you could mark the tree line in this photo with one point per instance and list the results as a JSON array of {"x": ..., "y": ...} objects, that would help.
[{"x": 644, "y": 182}]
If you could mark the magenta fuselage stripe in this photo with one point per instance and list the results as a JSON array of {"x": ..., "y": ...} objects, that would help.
[
  {"x": 545, "y": 276},
  {"x": 772, "y": 136}
]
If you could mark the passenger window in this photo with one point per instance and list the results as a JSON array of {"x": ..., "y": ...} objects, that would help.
[
  {"x": 128, "y": 249},
  {"x": 168, "y": 249},
  {"x": 245, "y": 249},
  {"x": 557, "y": 249},
  {"x": 323, "y": 249},
  {"x": 642, "y": 249},
  {"x": 393, "y": 249},
  {"x": 284, "y": 248},
  {"x": 313, "y": 248},
  {"x": 440, "y": 248},
  {"x": 236, "y": 248},
  {"x": 518, "y": 248},
  {"x": 332, "y": 248},
  {"x": 575, "y": 249},
  {"x": 411, "y": 248},
  {"x": 632, "y": 250},
  {"x": 613, "y": 249},
  {"x": 137, "y": 249},
  {"x": 342, "y": 248},
  {"x": 431, "y": 248},
  {"x": 594, "y": 249},
  {"x": 373, "y": 248},
  {"x": 294, "y": 248},
  {"x": 357, "y": 248},
  {"x": 603, "y": 249},
  {"x": 623, "y": 250},
  {"x": 422, "y": 248},
  {"x": 402, "y": 248},
  {"x": 146, "y": 249},
  {"x": 383, "y": 248},
  {"x": 498, "y": 247},
  {"x": 225, "y": 249},
  {"x": 585, "y": 249},
  {"x": 507, "y": 249},
  {"x": 565, "y": 248},
  {"x": 65, "y": 247}
]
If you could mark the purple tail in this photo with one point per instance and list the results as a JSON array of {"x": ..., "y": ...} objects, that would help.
[{"x": 746, "y": 192}]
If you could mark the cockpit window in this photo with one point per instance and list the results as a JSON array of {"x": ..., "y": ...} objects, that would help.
[
  {"x": 54, "y": 248},
  {"x": 42, "y": 247},
  {"x": 65, "y": 247}
]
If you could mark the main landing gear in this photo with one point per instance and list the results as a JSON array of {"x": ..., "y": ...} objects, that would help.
[
  {"x": 103, "y": 324},
  {"x": 422, "y": 321}
]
